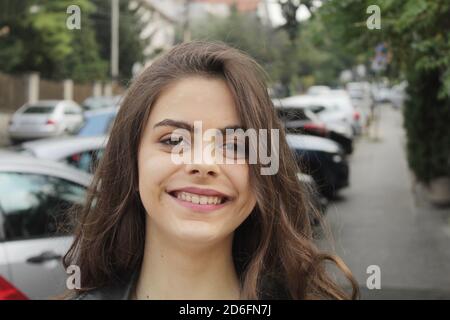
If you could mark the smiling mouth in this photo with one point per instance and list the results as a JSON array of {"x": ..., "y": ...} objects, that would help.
[{"x": 198, "y": 198}]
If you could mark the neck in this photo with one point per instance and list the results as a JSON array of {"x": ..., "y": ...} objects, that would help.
[{"x": 172, "y": 270}]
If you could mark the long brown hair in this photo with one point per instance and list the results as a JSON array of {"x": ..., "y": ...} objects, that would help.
[{"x": 274, "y": 251}]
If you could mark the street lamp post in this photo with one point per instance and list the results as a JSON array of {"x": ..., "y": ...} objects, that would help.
[
  {"x": 186, "y": 27},
  {"x": 114, "y": 39}
]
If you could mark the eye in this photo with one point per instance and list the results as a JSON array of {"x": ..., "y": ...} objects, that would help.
[
  {"x": 231, "y": 146},
  {"x": 235, "y": 149},
  {"x": 173, "y": 140}
]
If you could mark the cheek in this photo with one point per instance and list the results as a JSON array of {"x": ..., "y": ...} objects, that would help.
[
  {"x": 153, "y": 169},
  {"x": 239, "y": 176}
]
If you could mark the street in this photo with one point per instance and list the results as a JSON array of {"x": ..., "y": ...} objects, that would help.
[{"x": 379, "y": 221}]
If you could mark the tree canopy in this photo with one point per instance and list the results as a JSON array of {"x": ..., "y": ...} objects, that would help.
[
  {"x": 34, "y": 37},
  {"x": 417, "y": 33}
]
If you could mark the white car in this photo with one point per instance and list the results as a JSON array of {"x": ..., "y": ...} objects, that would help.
[
  {"x": 34, "y": 197},
  {"x": 44, "y": 119},
  {"x": 361, "y": 94},
  {"x": 347, "y": 109},
  {"x": 80, "y": 152},
  {"x": 318, "y": 90},
  {"x": 331, "y": 108},
  {"x": 396, "y": 94}
]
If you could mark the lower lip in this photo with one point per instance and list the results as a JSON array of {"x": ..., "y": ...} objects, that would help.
[{"x": 199, "y": 207}]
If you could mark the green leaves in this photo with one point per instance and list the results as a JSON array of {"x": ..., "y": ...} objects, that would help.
[
  {"x": 444, "y": 92},
  {"x": 248, "y": 34},
  {"x": 39, "y": 39},
  {"x": 418, "y": 35},
  {"x": 413, "y": 11}
]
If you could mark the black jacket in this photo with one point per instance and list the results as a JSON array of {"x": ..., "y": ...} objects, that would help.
[{"x": 122, "y": 290}]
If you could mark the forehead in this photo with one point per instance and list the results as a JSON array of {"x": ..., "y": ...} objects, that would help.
[{"x": 196, "y": 99}]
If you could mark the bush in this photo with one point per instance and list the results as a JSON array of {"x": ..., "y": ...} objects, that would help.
[{"x": 427, "y": 124}]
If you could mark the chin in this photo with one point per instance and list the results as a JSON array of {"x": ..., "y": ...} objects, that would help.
[{"x": 199, "y": 233}]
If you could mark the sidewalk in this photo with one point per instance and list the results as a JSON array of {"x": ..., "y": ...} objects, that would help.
[{"x": 381, "y": 219}]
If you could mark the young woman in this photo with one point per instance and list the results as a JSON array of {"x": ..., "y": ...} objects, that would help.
[{"x": 154, "y": 228}]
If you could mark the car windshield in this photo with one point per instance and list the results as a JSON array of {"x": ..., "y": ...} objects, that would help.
[
  {"x": 316, "y": 108},
  {"x": 291, "y": 114},
  {"x": 96, "y": 125},
  {"x": 39, "y": 110}
]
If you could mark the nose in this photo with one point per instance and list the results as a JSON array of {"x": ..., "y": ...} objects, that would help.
[
  {"x": 202, "y": 170},
  {"x": 202, "y": 163}
]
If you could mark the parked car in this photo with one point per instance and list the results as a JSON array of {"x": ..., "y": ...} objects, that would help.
[
  {"x": 362, "y": 97},
  {"x": 47, "y": 118},
  {"x": 80, "y": 152},
  {"x": 35, "y": 195},
  {"x": 380, "y": 92},
  {"x": 395, "y": 95},
  {"x": 98, "y": 122},
  {"x": 330, "y": 108},
  {"x": 319, "y": 201},
  {"x": 318, "y": 90},
  {"x": 323, "y": 159},
  {"x": 83, "y": 150},
  {"x": 299, "y": 118},
  {"x": 8, "y": 291},
  {"x": 345, "y": 105},
  {"x": 101, "y": 102},
  {"x": 335, "y": 107}
]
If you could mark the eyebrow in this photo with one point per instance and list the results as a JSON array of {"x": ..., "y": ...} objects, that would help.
[{"x": 190, "y": 127}]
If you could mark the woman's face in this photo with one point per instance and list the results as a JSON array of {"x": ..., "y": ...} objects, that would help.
[{"x": 198, "y": 202}]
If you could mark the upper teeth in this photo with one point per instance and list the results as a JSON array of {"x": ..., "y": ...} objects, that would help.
[{"x": 198, "y": 199}]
